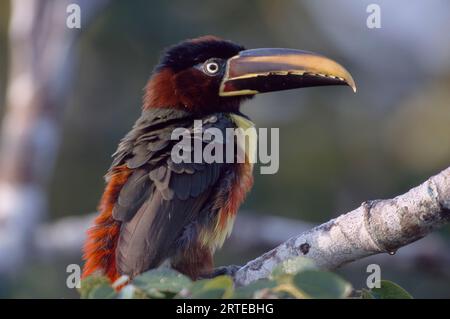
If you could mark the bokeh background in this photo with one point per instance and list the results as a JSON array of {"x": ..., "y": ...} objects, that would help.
[{"x": 337, "y": 149}]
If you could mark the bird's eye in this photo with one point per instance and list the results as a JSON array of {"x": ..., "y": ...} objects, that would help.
[{"x": 211, "y": 67}]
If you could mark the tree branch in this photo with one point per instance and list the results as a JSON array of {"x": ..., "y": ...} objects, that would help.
[{"x": 375, "y": 227}]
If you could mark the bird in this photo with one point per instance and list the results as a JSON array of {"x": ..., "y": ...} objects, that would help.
[{"x": 158, "y": 211}]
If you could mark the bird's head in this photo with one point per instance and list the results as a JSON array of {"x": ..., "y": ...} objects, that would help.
[{"x": 209, "y": 74}]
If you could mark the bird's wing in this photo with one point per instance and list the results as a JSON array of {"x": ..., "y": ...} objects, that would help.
[{"x": 162, "y": 204}]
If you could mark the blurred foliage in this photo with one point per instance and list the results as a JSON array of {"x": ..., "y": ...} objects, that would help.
[{"x": 295, "y": 278}]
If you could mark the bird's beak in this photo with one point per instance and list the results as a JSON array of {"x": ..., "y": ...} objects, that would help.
[{"x": 265, "y": 70}]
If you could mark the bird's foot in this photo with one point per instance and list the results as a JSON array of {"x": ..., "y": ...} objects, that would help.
[{"x": 224, "y": 270}]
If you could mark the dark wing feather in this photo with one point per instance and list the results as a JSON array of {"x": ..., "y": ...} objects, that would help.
[
  {"x": 133, "y": 194},
  {"x": 163, "y": 202},
  {"x": 154, "y": 233}
]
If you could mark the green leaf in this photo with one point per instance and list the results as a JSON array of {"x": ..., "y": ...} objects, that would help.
[
  {"x": 155, "y": 281},
  {"x": 322, "y": 284},
  {"x": 209, "y": 294},
  {"x": 127, "y": 292},
  {"x": 249, "y": 291},
  {"x": 104, "y": 291},
  {"x": 389, "y": 290},
  {"x": 217, "y": 288},
  {"x": 293, "y": 266},
  {"x": 132, "y": 292}
]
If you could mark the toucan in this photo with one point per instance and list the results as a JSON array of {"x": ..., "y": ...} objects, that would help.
[{"x": 159, "y": 211}]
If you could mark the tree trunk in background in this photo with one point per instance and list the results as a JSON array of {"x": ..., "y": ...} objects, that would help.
[{"x": 41, "y": 61}]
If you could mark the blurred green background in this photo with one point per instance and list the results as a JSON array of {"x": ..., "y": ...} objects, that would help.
[{"x": 337, "y": 149}]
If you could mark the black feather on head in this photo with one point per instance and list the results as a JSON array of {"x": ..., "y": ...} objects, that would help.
[{"x": 191, "y": 52}]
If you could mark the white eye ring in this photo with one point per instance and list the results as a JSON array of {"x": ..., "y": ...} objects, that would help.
[{"x": 211, "y": 68}]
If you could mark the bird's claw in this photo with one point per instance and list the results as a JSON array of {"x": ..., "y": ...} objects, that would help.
[{"x": 224, "y": 270}]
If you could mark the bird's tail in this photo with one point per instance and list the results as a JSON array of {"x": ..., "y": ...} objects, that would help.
[{"x": 100, "y": 246}]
